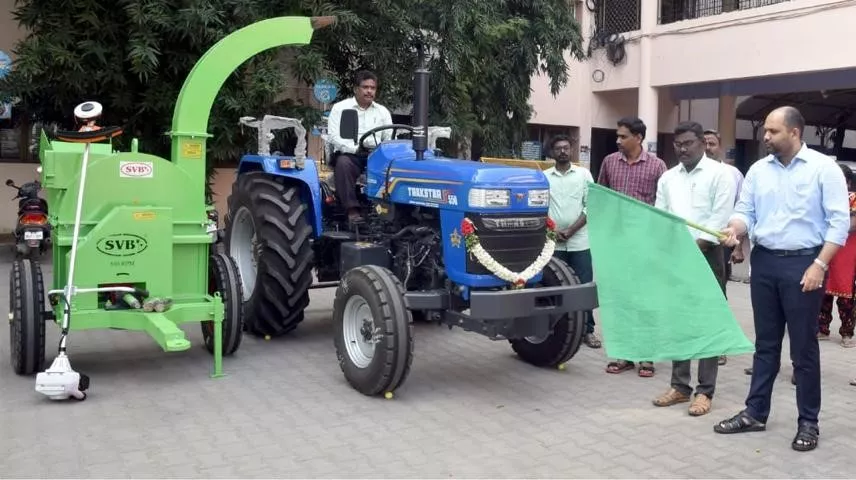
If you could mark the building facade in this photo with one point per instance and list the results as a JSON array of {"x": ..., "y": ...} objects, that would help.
[{"x": 704, "y": 60}]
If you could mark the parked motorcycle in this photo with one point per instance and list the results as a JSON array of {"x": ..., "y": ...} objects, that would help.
[{"x": 32, "y": 232}]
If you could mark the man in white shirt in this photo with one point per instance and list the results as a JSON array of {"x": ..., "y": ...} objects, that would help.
[
  {"x": 346, "y": 163},
  {"x": 702, "y": 191}
]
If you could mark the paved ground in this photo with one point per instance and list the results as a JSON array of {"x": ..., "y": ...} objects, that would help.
[{"x": 469, "y": 409}]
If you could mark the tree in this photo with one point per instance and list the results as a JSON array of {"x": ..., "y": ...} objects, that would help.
[
  {"x": 134, "y": 55},
  {"x": 485, "y": 55}
]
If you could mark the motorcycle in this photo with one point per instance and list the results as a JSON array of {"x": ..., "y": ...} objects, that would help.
[{"x": 32, "y": 232}]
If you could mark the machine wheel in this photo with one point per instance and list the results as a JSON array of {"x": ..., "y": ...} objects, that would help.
[
  {"x": 223, "y": 277},
  {"x": 373, "y": 330},
  {"x": 26, "y": 317},
  {"x": 270, "y": 237},
  {"x": 564, "y": 341}
]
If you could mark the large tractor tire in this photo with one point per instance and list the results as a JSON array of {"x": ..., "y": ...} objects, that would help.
[
  {"x": 270, "y": 237},
  {"x": 373, "y": 330},
  {"x": 223, "y": 278},
  {"x": 564, "y": 341},
  {"x": 26, "y": 317}
]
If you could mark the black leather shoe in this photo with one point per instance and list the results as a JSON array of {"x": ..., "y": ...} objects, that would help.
[
  {"x": 806, "y": 438},
  {"x": 739, "y": 423}
]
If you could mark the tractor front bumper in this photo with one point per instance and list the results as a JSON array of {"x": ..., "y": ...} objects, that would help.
[{"x": 509, "y": 313}]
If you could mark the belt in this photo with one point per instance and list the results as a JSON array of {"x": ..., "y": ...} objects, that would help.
[{"x": 790, "y": 253}]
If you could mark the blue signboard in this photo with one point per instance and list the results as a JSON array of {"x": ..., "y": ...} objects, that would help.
[
  {"x": 325, "y": 91},
  {"x": 5, "y": 64}
]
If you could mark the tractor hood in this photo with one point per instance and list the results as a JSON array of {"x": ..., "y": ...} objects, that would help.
[{"x": 394, "y": 171}]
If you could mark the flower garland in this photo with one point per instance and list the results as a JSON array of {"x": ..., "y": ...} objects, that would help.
[{"x": 517, "y": 280}]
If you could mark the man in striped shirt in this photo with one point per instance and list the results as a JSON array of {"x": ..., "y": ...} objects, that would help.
[{"x": 635, "y": 173}]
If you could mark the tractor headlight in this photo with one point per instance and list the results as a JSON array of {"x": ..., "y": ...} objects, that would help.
[
  {"x": 485, "y": 198},
  {"x": 539, "y": 198}
]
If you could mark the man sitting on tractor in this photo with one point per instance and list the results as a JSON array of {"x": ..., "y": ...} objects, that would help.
[{"x": 346, "y": 163}]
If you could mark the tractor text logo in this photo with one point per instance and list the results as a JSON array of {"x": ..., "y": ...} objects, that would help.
[
  {"x": 122, "y": 245},
  {"x": 434, "y": 195},
  {"x": 136, "y": 169}
]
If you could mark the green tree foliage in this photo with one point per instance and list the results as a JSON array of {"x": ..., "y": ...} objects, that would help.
[{"x": 133, "y": 56}]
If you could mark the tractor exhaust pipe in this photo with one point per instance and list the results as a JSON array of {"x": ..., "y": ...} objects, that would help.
[{"x": 420, "y": 104}]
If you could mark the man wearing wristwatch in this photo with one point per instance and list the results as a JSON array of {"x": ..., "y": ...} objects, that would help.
[{"x": 794, "y": 204}]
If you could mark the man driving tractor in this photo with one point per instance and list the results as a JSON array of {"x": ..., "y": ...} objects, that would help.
[{"x": 346, "y": 163}]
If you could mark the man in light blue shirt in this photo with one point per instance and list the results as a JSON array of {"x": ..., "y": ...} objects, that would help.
[
  {"x": 794, "y": 205},
  {"x": 568, "y": 193}
]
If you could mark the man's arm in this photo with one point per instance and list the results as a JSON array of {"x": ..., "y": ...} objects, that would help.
[
  {"x": 334, "y": 135},
  {"x": 387, "y": 120},
  {"x": 723, "y": 205},
  {"x": 836, "y": 207},
  {"x": 603, "y": 176},
  {"x": 583, "y": 218},
  {"x": 661, "y": 199},
  {"x": 742, "y": 220}
]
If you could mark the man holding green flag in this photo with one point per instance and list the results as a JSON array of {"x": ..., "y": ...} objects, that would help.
[
  {"x": 658, "y": 298},
  {"x": 700, "y": 190}
]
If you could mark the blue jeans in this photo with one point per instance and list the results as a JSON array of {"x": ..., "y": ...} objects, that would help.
[{"x": 580, "y": 263}]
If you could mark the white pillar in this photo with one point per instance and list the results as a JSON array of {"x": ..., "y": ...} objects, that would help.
[
  {"x": 648, "y": 109},
  {"x": 728, "y": 125},
  {"x": 587, "y": 98}
]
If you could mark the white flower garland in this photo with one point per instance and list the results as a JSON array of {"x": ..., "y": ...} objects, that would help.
[{"x": 517, "y": 280}]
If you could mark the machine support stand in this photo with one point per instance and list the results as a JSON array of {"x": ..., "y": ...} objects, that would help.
[{"x": 218, "y": 337}]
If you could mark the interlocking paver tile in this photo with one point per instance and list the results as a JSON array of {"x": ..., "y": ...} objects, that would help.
[{"x": 469, "y": 409}]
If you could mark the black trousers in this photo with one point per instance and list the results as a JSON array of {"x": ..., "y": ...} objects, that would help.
[
  {"x": 347, "y": 170},
  {"x": 778, "y": 301}
]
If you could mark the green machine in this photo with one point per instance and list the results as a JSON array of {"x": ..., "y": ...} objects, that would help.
[{"x": 132, "y": 236}]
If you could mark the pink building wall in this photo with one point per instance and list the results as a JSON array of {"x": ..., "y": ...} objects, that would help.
[{"x": 799, "y": 36}]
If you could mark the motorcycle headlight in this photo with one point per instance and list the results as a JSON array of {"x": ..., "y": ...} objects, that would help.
[
  {"x": 489, "y": 198},
  {"x": 539, "y": 198}
]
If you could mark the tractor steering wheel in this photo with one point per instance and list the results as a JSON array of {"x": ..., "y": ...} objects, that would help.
[{"x": 395, "y": 127}]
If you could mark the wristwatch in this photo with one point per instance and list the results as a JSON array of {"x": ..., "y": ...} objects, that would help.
[{"x": 822, "y": 265}]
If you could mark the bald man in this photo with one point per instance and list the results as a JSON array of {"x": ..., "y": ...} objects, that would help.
[{"x": 794, "y": 205}]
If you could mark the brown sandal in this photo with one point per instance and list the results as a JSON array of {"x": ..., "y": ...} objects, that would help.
[
  {"x": 700, "y": 406},
  {"x": 646, "y": 369},
  {"x": 619, "y": 366},
  {"x": 671, "y": 397}
]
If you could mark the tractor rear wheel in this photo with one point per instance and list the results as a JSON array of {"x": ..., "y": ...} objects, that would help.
[
  {"x": 564, "y": 341},
  {"x": 270, "y": 237},
  {"x": 223, "y": 278},
  {"x": 26, "y": 317},
  {"x": 373, "y": 330}
]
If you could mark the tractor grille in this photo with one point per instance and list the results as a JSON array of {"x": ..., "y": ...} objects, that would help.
[{"x": 515, "y": 241}]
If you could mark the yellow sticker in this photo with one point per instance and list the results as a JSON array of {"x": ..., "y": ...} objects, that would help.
[
  {"x": 144, "y": 215},
  {"x": 191, "y": 149}
]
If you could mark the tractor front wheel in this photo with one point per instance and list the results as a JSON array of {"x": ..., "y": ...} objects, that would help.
[
  {"x": 26, "y": 317},
  {"x": 563, "y": 342},
  {"x": 223, "y": 278},
  {"x": 373, "y": 330},
  {"x": 269, "y": 235}
]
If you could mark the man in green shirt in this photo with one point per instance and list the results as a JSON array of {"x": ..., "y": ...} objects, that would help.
[{"x": 568, "y": 193}]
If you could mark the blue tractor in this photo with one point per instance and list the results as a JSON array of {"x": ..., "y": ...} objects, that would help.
[{"x": 442, "y": 241}]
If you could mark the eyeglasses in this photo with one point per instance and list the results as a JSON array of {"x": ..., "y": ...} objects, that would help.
[{"x": 685, "y": 144}]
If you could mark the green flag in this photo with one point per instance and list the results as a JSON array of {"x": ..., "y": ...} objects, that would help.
[{"x": 659, "y": 299}]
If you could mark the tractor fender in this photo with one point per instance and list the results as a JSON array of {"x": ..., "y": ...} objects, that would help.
[{"x": 306, "y": 177}]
